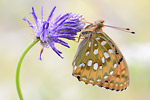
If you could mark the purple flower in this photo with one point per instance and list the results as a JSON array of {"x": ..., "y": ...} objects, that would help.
[{"x": 50, "y": 31}]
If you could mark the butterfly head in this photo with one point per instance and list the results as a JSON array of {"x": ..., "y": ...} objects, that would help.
[
  {"x": 89, "y": 30},
  {"x": 99, "y": 23}
]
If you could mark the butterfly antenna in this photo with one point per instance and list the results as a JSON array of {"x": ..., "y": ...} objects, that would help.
[
  {"x": 122, "y": 29},
  {"x": 79, "y": 37}
]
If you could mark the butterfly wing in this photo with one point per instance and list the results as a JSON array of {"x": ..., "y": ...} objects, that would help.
[
  {"x": 99, "y": 61},
  {"x": 80, "y": 66},
  {"x": 120, "y": 80}
]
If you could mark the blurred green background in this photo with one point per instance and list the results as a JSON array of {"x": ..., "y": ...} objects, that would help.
[{"x": 51, "y": 78}]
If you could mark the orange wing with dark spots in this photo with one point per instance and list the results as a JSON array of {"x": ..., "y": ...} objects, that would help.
[
  {"x": 120, "y": 81},
  {"x": 98, "y": 61}
]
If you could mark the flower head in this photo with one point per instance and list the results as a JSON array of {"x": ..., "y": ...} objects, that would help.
[{"x": 50, "y": 31}]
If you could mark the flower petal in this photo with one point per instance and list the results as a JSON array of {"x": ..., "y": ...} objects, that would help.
[
  {"x": 51, "y": 14},
  {"x": 62, "y": 42},
  {"x": 67, "y": 28},
  {"x": 67, "y": 36},
  {"x": 54, "y": 49},
  {"x": 34, "y": 16},
  {"x": 30, "y": 24},
  {"x": 42, "y": 15},
  {"x": 60, "y": 18},
  {"x": 68, "y": 32}
]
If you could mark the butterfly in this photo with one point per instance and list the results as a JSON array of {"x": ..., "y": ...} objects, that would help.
[{"x": 98, "y": 60}]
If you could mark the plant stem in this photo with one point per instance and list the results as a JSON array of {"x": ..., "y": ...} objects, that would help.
[{"x": 19, "y": 66}]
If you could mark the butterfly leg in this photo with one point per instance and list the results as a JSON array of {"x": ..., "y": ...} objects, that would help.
[
  {"x": 78, "y": 38},
  {"x": 85, "y": 21}
]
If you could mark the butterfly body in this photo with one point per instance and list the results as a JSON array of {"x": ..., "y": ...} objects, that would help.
[{"x": 98, "y": 60}]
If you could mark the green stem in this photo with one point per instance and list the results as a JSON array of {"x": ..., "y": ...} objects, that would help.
[{"x": 19, "y": 66}]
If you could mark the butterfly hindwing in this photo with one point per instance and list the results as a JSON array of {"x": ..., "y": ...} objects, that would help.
[
  {"x": 120, "y": 80},
  {"x": 82, "y": 63},
  {"x": 78, "y": 59}
]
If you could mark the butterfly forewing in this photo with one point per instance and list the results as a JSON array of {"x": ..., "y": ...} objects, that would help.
[{"x": 98, "y": 61}]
